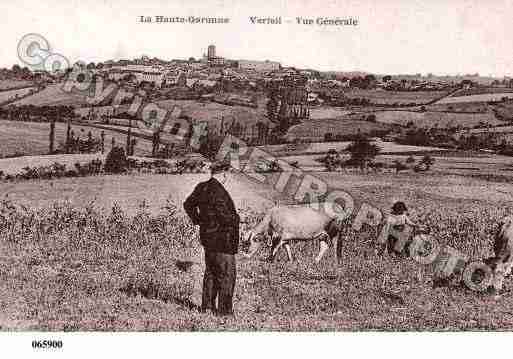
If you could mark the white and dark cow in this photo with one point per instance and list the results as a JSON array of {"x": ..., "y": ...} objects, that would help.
[{"x": 285, "y": 224}]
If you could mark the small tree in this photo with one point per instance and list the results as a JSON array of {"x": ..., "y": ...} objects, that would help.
[
  {"x": 428, "y": 161},
  {"x": 362, "y": 151},
  {"x": 272, "y": 107},
  {"x": 116, "y": 161},
  {"x": 399, "y": 166},
  {"x": 371, "y": 118},
  {"x": 410, "y": 160}
]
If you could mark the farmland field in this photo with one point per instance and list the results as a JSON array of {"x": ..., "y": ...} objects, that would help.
[
  {"x": 449, "y": 164},
  {"x": 327, "y": 112},
  {"x": 12, "y": 94},
  {"x": 399, "y": 97},
  {"x": 8, "y": 84},
  {"x": 324, "y": 147},
  {"x": 54, "y": 95},
  {"x": 213, "y": 113},
  {"x": 476, "y": 107},
  {"x": 440, "y": 119},
  {"x": 500, "y": 129},
  {"x": 316, "y": 129},
  {"x": 505, "y": 110},
  {"x": 482, "y": 91},
  {"x": 476, "y": 98},
  {"x": 115, "y": 270},
  {"x": 32, "y": 138}
]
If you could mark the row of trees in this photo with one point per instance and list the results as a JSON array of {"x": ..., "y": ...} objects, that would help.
[
  {"x": 36, "y": 113},
  {"x": 76, "y": 143},
  {"x": 362, "y": 153},
  {"x": 287, "y": 103}
]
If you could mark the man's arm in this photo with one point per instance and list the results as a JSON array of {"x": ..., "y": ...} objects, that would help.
[
  {"x": 225, "y": 214},
  {"x": 191, "y": 205}
]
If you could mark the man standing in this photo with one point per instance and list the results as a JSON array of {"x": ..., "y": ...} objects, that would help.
[{"x": 211, "y": 207}]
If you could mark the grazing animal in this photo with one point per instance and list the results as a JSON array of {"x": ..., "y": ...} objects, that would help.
[
  {"x": 503, "y": 249},
  {"x": 295, "y": 222}
]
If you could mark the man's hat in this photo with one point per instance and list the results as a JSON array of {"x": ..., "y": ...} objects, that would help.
[{"x": 219, "y": 166}]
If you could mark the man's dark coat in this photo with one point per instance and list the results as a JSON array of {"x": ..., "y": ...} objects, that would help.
[{"x": 211, "y": 207}]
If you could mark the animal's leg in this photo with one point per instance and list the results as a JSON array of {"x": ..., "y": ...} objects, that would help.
[
  {"x": 324, "y": 239},
  {"x": 322, "y": 250},
  {"x": 508, "y": 268},
  {"x": 277, "y": 243},
  {"x": 504, "y": 269},
  {"x": 499, "y": 274},
  {"x": 275, "y": 251},
  {"x": 289, "y": 251}
]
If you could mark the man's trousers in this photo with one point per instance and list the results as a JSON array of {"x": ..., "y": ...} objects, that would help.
[{"x": 218, "y": 282}]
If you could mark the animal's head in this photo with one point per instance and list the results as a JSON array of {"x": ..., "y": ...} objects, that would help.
[
  {"x": 507, "y": 221},
  {"x": 506, "y": 227},
  {"x": 245, "y": 236},
  {"x": 251, "y": 241}
]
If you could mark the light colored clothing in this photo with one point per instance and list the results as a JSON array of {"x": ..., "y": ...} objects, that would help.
[{"x": 400, "y": 220}]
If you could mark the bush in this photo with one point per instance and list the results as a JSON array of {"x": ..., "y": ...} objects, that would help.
[
  {"x": 410, "y": 159},
  {"x": 116, "y": 161},
  {"x": 362, "y": 151},
  {"x": 399, "y": 166},
  {"x": 91, "y": 168}
]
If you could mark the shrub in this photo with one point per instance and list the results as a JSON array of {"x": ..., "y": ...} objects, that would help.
[
  {"x": 363, "y": 151},
  {"x": 91, "y": 168},
  {"x": 371, "y": 118},
  {"x": 428, "y": 161},
  {"x": 410, "y": 159},
  {"x": 116, "y": 161},
  {"x": 399, "y": 166}
]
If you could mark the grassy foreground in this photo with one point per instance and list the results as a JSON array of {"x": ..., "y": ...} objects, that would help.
[{"x": 78, "y": 268}]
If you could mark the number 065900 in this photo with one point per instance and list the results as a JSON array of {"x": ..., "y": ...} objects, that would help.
[{"x": 47, "y": 344}]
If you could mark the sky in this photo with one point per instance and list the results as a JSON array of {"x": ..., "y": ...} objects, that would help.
[{"x": 392, "y": 36}]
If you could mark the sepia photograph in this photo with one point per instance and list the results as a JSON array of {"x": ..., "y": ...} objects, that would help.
[{"x": 170, "y": 167}]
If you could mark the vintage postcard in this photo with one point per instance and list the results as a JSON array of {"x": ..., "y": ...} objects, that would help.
[{"x": 288, "y": 166}]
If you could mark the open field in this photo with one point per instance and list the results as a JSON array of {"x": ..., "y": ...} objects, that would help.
[
  {"x": 32, "y": 138},
  {"x": 8, "y": 84},
  {"x": 476, "y": 98},
  {"x": 54, "y": 95},
  {"x": 476, "y": 107},
  {"x": 128, "y": 191},
  {"x": 485, "y": 165},
  {"x": 440, "y": 119},
  {"x": 318, "y": 113},
  {"x": 117, "y": 271},
  {"x": 213, "y": 113},
  {"x": 500, "y": 129},
  {"x": 482, "y": 91},
  {"x": 15, "y": 165},
  {"x": 12, "y": 94},
  {"x": 492, "y": 165},
  {"x": 315, "y": 130},
  {"x": 505, "y": 110},
  {"x": 323, "y": 147},
  {"x": 399, "y": 97}
]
